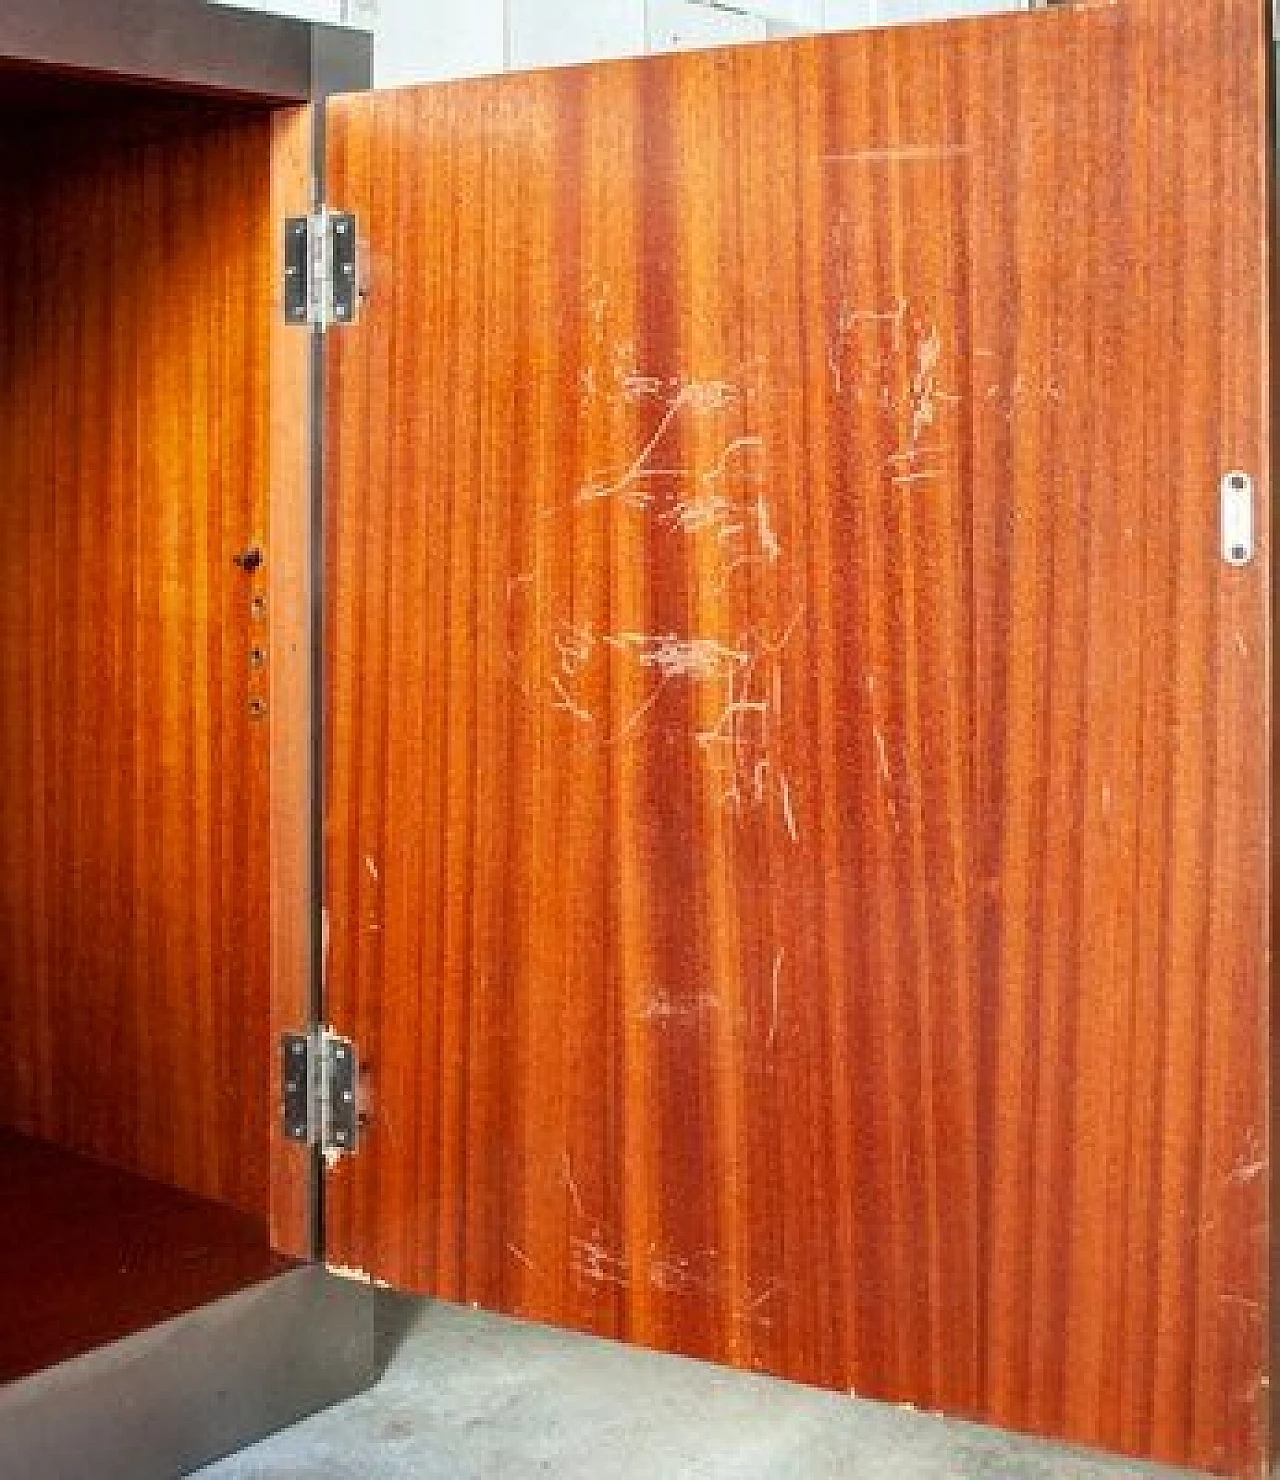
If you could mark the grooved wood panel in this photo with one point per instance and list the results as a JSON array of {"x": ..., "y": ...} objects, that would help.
[
  {"x": 134, "y": 789},
  {"x": 796, "y": 775}
]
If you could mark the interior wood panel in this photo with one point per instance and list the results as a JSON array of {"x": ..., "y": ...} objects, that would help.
[
  {"x": 90, "y": 1254},
  {"x": 796, "y": 783},
  {"x": 134, "y": 786}
]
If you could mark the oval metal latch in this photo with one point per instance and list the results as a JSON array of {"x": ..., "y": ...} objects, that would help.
[{"x": 1237, "y": 518}]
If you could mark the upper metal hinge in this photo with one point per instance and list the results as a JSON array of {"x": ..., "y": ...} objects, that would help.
[
  {"x": 320, "y": 1078},
  {"x": 321, "y": 269}
]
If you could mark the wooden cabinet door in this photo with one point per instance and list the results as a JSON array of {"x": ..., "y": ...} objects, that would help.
[{"x": 796, "y": 783}]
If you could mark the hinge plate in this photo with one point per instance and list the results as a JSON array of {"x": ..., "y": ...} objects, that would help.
[
  {"x": 321, "y": 269},
  {"x": 298, "y": 1090},
  {"x": 320, "y": 1078},
  {"x": 341, "y": 1120}
]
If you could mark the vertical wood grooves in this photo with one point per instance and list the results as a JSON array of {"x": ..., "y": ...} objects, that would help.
[
  {"x": 134, "y": 951},
  {"x": 861, "y": 400}
]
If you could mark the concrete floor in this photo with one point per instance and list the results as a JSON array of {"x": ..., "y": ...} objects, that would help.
[{"x": 468, "y": 1396}]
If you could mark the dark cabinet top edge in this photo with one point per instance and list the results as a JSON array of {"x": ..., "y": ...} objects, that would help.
[{"x": 183, "y": 45}]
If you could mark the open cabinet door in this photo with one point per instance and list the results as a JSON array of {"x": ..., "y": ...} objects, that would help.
[{"x": 796, "y": 782}]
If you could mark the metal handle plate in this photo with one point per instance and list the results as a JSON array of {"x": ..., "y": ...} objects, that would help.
[{"x": 1237, "y": 519}]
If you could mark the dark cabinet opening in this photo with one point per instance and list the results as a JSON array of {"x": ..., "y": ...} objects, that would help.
[{"x": 135, "y": 725}]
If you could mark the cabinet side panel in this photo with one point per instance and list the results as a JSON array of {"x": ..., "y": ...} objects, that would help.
[{"x": 134, "y": 784}]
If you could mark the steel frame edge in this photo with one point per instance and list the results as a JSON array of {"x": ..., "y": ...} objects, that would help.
[{"x": 187, "y": 1392}]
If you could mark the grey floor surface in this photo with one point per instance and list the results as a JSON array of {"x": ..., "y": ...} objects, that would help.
[{"x": 468, "y": 1396}]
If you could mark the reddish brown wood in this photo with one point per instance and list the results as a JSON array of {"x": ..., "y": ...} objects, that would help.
[
  {"x": 89, "y": 1254},
  {"x": 290, "y": 684},
  {"x": 135, "y": 939},
  {"x": 796, "y": 789}
]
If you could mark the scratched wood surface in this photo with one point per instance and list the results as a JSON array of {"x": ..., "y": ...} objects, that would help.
[
  {"x": 796, "y": 777},
  {"x": 134, "y": 857}
]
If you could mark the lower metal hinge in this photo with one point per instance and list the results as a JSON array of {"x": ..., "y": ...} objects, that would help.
[
  {"x": 321, "y": 269},
  {"x": 320, "y": 1075}
]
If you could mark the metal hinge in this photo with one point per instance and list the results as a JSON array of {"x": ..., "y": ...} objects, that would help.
[
  {"x": 321, "y": 269},
  {"x": 320, "y": 1075}
]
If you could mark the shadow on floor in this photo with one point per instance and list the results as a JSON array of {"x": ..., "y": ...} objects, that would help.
[
  {"x": 468, "y": 1396},
  {"x": 397, "y": 1317}
]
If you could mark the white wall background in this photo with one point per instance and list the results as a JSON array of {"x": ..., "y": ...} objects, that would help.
[{"x": 429, "y": 40}]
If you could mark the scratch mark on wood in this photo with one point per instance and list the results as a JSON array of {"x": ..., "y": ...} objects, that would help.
[
  {"x": 901, "y": 154},
  {"x": 731, "y": 713},
  {"x": 1241, "y": 1302},
  {"x": 573, "y": 647},
  {"x": 1248, "y": 1171},
  {"x": 608, "y": 490},
  {"x": 662, "y": 1007},
  {"x": 768, "y": 540},
  {"x": 772, "y": 1039},
  {"x": 788, "y": 633},
  {"x": 565, "y": 703},
  {"x": 693, "y": 515},
  {"x": 641, "y": 387},
  {"x": 638, "y": 717},
  {"x": 592, "y": 1261},
  {"x": 675, "y": 1275},
  {"x": 520, "y": 1255},
  {"x": 770, "y": 1292},
  {"x": 788, "y": 811},
  {"x": 700, "y": 658},
  {"x": 882, "y": 755},
  {"x": 924, "y": 393},
  {"x": 571, "y": 1186},
  {"x": 736, "y": 449}
]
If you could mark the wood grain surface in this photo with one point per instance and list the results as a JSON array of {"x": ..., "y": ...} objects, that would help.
[
  {"x": 294, "y": 794},
  {"x": 796, "y": 783},
  {"x": 134, "y": 788}
]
